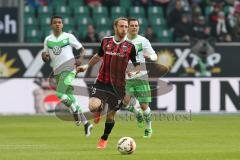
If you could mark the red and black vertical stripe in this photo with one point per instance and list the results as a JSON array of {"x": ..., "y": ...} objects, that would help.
[{"x": 113, "y": 67}]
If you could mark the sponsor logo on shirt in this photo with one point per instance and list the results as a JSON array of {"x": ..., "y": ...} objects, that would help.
[
  {"x": 115, "y": 54},
  {"x": 57, "y": 50}
]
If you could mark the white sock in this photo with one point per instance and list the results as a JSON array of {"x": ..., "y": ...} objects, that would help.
[
  {"x": 74, "y": 107},
  {"x": 148, "y": 118},
  {"x": 64, "y": 99},
  {"x": 131, "y": 107},
  {"x": 83, "y": 119}
]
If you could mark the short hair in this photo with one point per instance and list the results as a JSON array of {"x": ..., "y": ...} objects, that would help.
[
  {"x": 118, "y": 19},
  {"x": 132, "y": 19},
  {"x": 55, "y": 16}
]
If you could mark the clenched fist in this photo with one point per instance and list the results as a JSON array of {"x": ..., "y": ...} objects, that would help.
[
  {"x": 45, "y": 56},
  {"x": 82, "y": 68}
]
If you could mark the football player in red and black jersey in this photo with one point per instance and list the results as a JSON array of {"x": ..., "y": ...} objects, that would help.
[{"x": 115, "y": 52}]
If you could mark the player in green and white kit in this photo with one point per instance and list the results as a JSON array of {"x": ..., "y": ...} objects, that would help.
[
  {"x": 58, "y": 48},
  {"x": 137, "y": 86}
]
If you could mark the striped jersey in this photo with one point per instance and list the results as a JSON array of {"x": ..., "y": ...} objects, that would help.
[{"x": 115, "y": 58}]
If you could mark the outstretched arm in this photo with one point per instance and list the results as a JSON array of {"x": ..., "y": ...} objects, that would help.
[{"x": 94, "y": 60}]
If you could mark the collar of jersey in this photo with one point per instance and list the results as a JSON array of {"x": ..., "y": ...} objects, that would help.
[
  {"x": 58, "y": 36},
  {"x": 133, "y": 37},
  {"x": 120, "y": 41}
]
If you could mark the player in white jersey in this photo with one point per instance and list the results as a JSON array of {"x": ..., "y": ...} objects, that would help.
[
  {"x": 58, "y": 48},
  {"x": 137, "y": 86}
]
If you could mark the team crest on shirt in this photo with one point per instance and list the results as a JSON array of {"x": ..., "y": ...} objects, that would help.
[
  {"x": 64, "y": 41},
  {"x": 124, "y": 48},
  {"x": 57, "y": 50},
  {"x": 108, "y": 46}
]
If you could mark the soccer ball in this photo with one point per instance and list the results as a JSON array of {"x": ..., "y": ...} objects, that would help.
[{"x": 126, "y": 145}]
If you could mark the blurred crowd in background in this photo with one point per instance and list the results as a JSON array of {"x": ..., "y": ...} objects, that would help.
[{"x": 160, "y": 20}]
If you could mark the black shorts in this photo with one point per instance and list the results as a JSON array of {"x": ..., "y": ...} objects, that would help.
[{"x": 107, "y": 93}]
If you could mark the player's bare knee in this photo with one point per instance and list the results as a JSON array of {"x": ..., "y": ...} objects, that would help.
[
  {"x": 110, "y": 115},
  {"x": 95, "y": 104},
  {"x": 126, "y": 100},
  {"x": 110, "y": 121},
  {"x": 144, "y": 106}
]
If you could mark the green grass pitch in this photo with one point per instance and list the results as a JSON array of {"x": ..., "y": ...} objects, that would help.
[{"x": 205, "y": 137}]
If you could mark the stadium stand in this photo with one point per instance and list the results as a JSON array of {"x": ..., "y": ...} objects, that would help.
[{"x": 79, "y": 15}]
